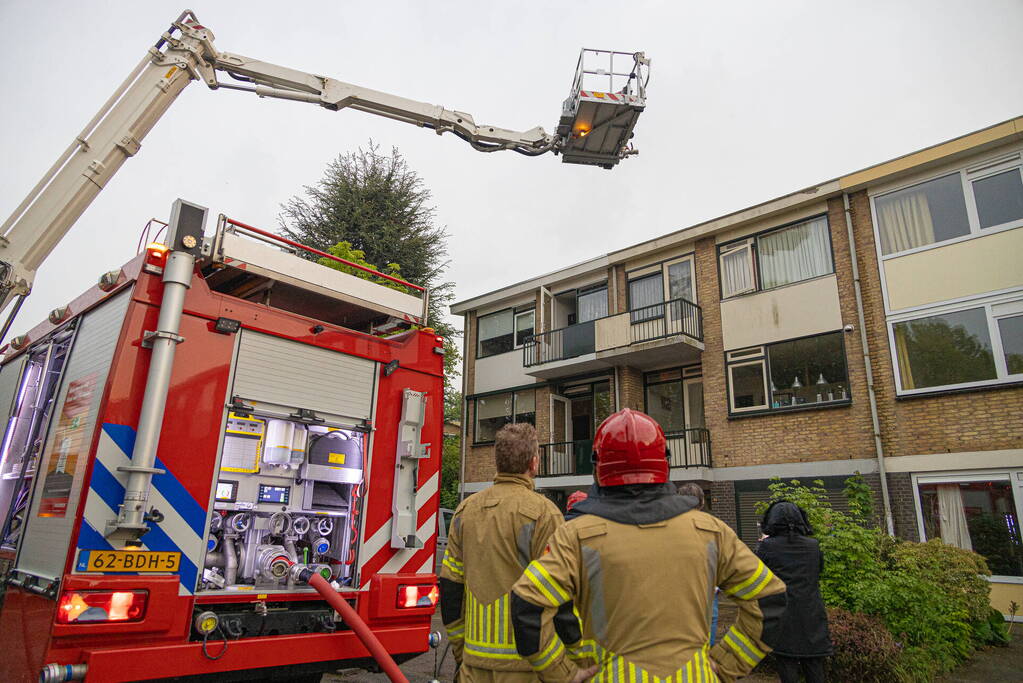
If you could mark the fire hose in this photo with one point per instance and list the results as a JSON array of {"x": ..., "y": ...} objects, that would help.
[{"x": 352, "y": 618}]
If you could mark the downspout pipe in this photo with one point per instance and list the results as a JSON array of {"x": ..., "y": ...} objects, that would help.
[
  {"x": 131, "y": 518},
  {"x": 872, "y": 397}
]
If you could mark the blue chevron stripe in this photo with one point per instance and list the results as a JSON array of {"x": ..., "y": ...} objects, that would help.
[
  {"x": 167, "y": 484},
  {"x": 106, "y": 486},
  {"x": 156, "y": 539}
]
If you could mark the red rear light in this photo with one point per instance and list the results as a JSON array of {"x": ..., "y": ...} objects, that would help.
[
  {"x": 83, "y": 607},
  {"x": 421, "y": 595}
]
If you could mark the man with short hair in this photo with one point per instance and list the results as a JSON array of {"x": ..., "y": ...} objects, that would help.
[{"x": 494, "y": 535}]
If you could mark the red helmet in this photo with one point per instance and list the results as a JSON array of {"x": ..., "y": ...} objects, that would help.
[
  {"x": 630, "y": 449},
  {"x": 575, "y": 498}
]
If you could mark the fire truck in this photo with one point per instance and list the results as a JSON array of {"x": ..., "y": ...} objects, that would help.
[{"x": 222, "y": 460}]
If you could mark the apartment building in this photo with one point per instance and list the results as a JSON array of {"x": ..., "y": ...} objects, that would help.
[{"x": 872, "y": 323}]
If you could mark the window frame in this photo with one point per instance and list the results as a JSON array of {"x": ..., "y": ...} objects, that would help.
[
  {"x": 515, "y": 327},
  {"x": 1006, "y": 305},
  {"x": 992, "y": 166},
  {"x": 752, "y": 242},
  {"x": 754, "y": 355},
  {"x": 1013, "y": 475},
  {"x": 628, "y": 297},
  {"x": 479, "y": 340},
  {"x": 514, "y": 410}
]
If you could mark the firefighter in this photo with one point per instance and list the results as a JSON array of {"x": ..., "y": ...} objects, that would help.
[
  {"x": 494, "y": 535},
  {"x": 641, "y": 565}
]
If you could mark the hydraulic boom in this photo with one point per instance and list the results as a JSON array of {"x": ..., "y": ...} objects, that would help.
[{"x": 186, "y": 52}]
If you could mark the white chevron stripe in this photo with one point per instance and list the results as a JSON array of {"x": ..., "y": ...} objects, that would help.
[
  {"x": 177, "y": 529},
  {"x": 427, "y": 567},
  {"x": 400, "y": 557},
  {"x": 383, "y": 535}
]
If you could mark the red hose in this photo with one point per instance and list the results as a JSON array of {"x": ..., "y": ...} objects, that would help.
[{"x": 352, "y": 618}]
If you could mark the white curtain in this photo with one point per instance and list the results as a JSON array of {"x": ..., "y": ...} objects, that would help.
[
  {"x": 736, "y": 274},
  {"x": 954, "y": 530},
  {"x": 904, "y": 221},
  {"x": 592, "y": 305},
  {"x": 643, "y": 293},
  {"x": 793, "y": 254},
  {"x": 680, "y": 281}
]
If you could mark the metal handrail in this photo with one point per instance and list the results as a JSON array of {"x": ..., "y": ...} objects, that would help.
[
  {"x": 686, "y": 448},
  {"x": 666, "y": 319},
  {"x": 311, "y": 250}
]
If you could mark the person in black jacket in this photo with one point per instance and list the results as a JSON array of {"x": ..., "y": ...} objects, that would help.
[{"x": 796, "y": 559}]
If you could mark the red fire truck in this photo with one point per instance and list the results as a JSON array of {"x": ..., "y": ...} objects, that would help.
[
  {"x": 222, "y": 460},
  {"x": 294, "y": 435}
]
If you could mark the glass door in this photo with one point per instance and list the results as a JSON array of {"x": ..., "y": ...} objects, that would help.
[
  {"x": 697, "y": 442},
  {"x": 559, "y": 453},
  {"x": 679, "y": 289}
]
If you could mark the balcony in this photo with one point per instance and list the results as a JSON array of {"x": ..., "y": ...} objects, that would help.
[
  {"x": 686, "y": 448},
  {"x": 644, "y": 338}
]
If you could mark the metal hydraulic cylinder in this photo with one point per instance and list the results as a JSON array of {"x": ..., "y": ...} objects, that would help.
[{"x": 177, "y": 277}]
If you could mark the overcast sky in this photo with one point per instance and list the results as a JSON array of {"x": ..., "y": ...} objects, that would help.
[{"x": 747, "y": 101}]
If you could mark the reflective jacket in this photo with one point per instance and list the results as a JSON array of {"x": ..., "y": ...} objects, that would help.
[
  {"x": 493, "y": 537},
  {"x": 642, "y": 565}
]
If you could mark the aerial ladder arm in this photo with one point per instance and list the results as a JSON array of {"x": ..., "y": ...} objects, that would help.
[{"x": 186, "y": 52}]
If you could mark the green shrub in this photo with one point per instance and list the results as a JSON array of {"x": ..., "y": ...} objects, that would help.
[
  {"x": 993, "y": 631},
  {"x": 865, "y": 650},
  {"x": 932, "y": 597}
]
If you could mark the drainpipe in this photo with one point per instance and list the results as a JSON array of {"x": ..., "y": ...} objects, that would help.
[
  {"x": 465, "y": 409},
  {"x": 878, "y": 448},
  {"x": 131, "y": 519}
]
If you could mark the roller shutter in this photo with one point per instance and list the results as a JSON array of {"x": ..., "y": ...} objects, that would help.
[{"x": 288, "y": 375}]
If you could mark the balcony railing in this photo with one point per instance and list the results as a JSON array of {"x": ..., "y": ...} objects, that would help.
[
  {"x": 560, "y": 344},
  {"x": 566, "y": 457},
  {"x": 689, "y": 447},
  {"x": 678, "y": 316},
  {"x": 686, "y": 448},
  {"x": 668, "y": 319}
]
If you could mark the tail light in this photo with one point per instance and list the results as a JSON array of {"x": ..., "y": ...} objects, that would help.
[
  {"x": 83, "y": 607},
  {"x": 418, "y": 595}
]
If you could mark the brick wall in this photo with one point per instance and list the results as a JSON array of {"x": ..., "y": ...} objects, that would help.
[
  {"x": 631, "y": 394},
  {"x": 805, "y": 436},
  {"x": 972, "y": 421},
  {"x": 900, "y": 491},
  {"x": 721, "y": 503}
]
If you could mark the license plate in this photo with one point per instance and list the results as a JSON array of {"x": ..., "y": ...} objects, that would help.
[{"x": 128, "y": 561}]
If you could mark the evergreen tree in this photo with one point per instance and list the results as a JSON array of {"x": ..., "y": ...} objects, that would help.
[{"x": 379, "y": 206}]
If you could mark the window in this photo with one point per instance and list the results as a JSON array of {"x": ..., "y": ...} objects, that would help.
[
  {"x": 524, "y": 326},
  {"x": 1010, "y": 329},
  {"x": 930, "y": 212},
  {"x": 779, "y": 257},
  {"x": 941, "y": 350},
  {"x": 737, "y": 269},
  {"x": 999, "y": 198},
  {"x": 495, "y": 333},
  {"x": 794, "y": 254},
  {"x": 978, "y": 514},
  {"x": 953, "y": 206},
  {"x": 790, "y": 374},
  {"x": 680, "y": 280},
  {"x": 497, "y": 410},
  {"x": 644, "y": 295},
  {"x": 592, "y": 304}
]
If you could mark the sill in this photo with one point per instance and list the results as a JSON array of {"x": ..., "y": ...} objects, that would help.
[
  {"x": 775, "y": 289},
  {"x": 1004, "y": 579},
  {"x": 500, "y": 353},
  {"x": 972, "y": 235},
  {"x": 938, "y": 391},
  {"x": 793, "y": 409},
  {"x": 482, "y": 443}
]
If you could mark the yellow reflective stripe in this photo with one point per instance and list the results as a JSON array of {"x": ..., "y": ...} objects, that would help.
[
  {"x": 747, "y": 642},
  {"x": 755, "y": 577},
  {"x": 738, "y": 649},
  {"x": 546, "y": 584},
  {"x": 760, "y": 586},
  {"x": 456, "y": 570},
  {"x": 548, "y": 656}
]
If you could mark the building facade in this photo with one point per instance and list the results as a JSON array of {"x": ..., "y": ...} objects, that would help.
[{"x": 872, "y": 324}]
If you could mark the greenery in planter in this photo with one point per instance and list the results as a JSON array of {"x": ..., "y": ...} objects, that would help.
[{"x": 931, "y": 597}]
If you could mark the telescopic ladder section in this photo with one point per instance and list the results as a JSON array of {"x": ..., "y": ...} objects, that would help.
[{"x": 608, "y": 95}]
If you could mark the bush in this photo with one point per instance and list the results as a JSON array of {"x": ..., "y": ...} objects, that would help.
[
  {"x": 932, "y": 597},
  {"x": 864, "y": 649}
]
